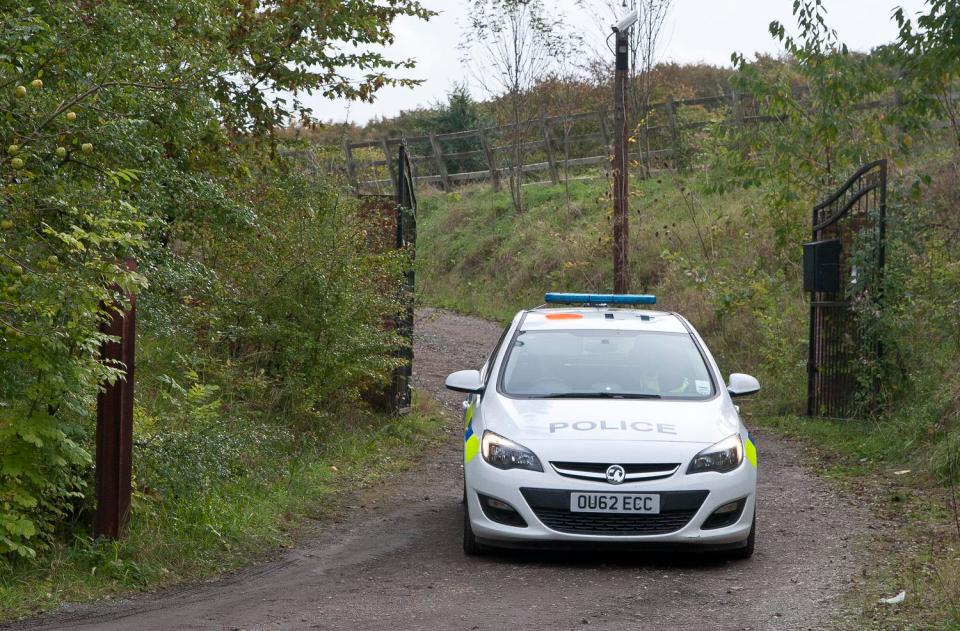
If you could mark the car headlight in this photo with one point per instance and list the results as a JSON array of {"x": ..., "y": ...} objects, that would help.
[
  {"x": 722, "y": 457},
  {"x": 503, "y": 453}
]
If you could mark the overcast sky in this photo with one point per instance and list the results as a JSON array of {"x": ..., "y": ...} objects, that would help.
[{"x": 697, "y": 30}]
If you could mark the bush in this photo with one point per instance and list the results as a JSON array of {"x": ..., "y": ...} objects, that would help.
[{"x": 143, "y": 129}]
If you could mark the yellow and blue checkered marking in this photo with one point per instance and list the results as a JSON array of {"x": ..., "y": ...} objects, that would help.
[
  {"x": 750, "y": 450},
  {"x": 471, "y": 445}
]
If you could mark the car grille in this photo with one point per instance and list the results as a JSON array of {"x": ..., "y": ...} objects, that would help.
[
  {"x": 552, "y": 508},
  {"x": 598, "y": 471}
]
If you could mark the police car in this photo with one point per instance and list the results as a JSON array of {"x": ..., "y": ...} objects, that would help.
[{"x": 596, "y": 423}]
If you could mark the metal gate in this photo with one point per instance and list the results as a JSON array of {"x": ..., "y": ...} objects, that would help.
[
  {"x": 393, "y": 221},
  {"x": 406, "y": 238},
  {"x": 842, "y": 266}
]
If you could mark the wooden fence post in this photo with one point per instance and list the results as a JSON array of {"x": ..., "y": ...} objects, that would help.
[
  {"x": 604, "y": 134},
  {"x": 491, "y": 159},
  {"x": 114, "y": 437},
  {"x": 567, "y": 126},
  {"x": 384, "y": 142},
  {"x": 351, "y": 166},
  {"x": 736, "y": 105},
  {"x": 677, "y": 152},
  {"x": 548, "y": 148},
  {"x": 441, "y": 163}
]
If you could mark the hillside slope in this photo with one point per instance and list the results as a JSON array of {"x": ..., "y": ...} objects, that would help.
[{"x": 703, "y": 255}]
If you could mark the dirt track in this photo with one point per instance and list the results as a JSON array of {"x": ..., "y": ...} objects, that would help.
[{"x": 399, "y": 566}]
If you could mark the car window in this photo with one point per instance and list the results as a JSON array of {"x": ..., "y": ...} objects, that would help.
[
  {"x": 605, "y": 363},
  {"x": 492, "y": 357}
]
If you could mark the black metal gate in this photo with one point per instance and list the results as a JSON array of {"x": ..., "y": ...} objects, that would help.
[
  {"x": 406, "y": 238},
  {"x": 392, "y": 221},
  {"x": 843, "y": 265}
]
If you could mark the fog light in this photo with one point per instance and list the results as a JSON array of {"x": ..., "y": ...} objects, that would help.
[
  {"x": 500, "y": 512},
  {"x": 725, "y": 515},
  {"x": 493, "y": 503}
]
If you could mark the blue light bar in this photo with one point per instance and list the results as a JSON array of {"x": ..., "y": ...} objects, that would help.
[{"x": 600, "y": 299}]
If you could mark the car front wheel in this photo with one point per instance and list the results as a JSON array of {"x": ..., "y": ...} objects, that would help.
[
  {"x": 747, "y": 551},
  {"x": 471, "y": 547}
]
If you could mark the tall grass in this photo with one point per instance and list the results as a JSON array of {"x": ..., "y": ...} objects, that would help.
[{"x": 227, "y": 521}]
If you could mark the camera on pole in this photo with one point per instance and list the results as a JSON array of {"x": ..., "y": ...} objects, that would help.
[{"x": 624, "y": 25}]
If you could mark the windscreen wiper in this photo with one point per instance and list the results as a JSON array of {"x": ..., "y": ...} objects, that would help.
[{"x": 602, "y": 395}]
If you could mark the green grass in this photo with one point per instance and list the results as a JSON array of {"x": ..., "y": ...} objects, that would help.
[
  {"x": 488, "y": 260},
  {"x": 915, "y": 548},
  {"x": 231, "y": 524}
]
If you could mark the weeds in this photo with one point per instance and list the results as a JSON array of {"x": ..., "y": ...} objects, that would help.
[{"x": 190, "y": 531}]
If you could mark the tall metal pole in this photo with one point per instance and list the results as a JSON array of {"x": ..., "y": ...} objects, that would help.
[
  {"x": 621, "y": 227},
  {"x": 115, "y": 426}
]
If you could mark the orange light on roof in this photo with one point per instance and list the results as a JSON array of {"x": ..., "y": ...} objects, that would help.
[{"x": 564, "y": 316}]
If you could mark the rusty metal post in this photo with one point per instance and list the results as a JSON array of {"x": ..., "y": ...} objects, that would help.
[
  {"x": 621, "y": 280},
  {"x": 115, "y": 426}
]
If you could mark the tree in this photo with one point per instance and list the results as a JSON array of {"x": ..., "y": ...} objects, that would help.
[
  {"x": 274, "y": 50},
  {"x": 459, "y": 113},
  {"x": 819, "y": 131},
  {"x": 927, "y": 53},
  {"x": 137, "y": 129},
  {"x": 511, "y": 45}
]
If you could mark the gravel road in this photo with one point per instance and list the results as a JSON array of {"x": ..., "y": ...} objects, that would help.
[{"x": 396, "y": 563}]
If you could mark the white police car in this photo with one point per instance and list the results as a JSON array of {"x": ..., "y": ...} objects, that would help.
[{"x": 600, "y": 424}]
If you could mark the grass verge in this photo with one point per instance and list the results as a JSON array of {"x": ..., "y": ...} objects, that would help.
[
  {"x": 914, "y": 540},
  {"x": 228, "y": 526}
]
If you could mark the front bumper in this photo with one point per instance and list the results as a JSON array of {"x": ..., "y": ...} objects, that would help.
[{"x": 539, "y": 498}]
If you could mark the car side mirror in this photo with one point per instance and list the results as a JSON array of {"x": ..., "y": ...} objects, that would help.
[
  {"x": 741, "y": 385},
  {"x": 465, "y": 381}
]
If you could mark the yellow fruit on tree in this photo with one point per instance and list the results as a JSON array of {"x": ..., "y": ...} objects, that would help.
[
  {"x": 20, "y": 92},
  {"x": 71, "y": 116},
  {"x": 36, "y": 83},
  {"x": 17, "y": 163},
  {"x": 86, "y": 147},
  {"x": 61, "y": 152},
  {"x": 6, "y": 224},
  {"x": 13, "y": 150}
]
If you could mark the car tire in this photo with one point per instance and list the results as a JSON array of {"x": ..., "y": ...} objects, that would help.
[
  {"x": 747, "y": 551},
  {"x": 471, "y": 547}
]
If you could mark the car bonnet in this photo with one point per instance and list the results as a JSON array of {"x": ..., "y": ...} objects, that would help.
[{"x": 667, "y": 421}]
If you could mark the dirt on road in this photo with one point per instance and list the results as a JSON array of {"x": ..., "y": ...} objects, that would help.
[{"x": 398, "y": 565}]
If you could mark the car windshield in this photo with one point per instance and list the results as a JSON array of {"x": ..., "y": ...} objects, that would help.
[{"x": 605, "y": 364}]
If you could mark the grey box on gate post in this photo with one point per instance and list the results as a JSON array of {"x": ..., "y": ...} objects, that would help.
[{"x": 821, "y": 266}]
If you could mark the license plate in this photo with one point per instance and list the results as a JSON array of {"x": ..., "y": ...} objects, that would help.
[{"x": 615, "y": 503}]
